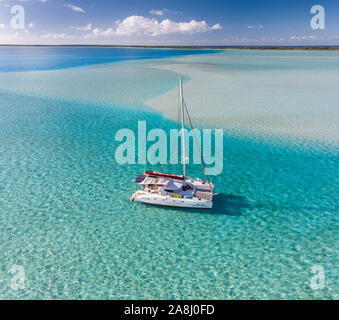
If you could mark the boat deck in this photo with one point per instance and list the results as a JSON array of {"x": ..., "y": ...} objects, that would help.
[{"x": 203, "y": 195}]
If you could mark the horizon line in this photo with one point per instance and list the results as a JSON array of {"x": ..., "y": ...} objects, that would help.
[{"x": 333, "y": 47}]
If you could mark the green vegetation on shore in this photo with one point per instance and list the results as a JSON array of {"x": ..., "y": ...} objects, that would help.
[
  {"x": 245, "y": 47},
  {"x": 186, "y": 47}
]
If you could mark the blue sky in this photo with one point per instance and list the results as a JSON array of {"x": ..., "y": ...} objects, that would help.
[{"x": 170, "y": 22}]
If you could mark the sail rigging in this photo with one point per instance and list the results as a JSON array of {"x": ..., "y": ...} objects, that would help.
[
  {"x": 183, "y": 108},
  {"x": 183, "y": 147},
  {"x": 173, "y": 190}
]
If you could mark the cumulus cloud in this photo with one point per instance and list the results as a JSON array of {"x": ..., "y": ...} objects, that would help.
[
  {"x": 216, "y": 27},
  {"x": 157, "y": 12},
  {"x": 97, "y": 32},
  {"x": 86, "y": 28},
  {"x": 6, "y": 38},
  {"x": 139, "y": 25},
  {"x": 53, "y": 36},
  {"x": 56, "y": 36},
  {"x": 163, "y": 11},
  {"x": 74, "y": 8},
  {"x": 303, "y": 37}
]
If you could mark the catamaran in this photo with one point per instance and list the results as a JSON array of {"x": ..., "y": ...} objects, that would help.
[{"x": 173, "y": 190}]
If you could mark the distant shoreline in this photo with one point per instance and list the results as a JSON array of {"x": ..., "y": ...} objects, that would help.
[{"x": 183, "y": 47}]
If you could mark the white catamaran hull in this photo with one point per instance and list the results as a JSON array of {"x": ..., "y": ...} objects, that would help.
[{"x": 171, "y": 201}]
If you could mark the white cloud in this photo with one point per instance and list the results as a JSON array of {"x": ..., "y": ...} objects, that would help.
[
  {"x": 5, "y": 38},
  {"x": 86, "y": 28},
  {"x": 53, "y": 36},
  {"x": 56, "y": 36},
  {"x": 304, "y": 37},
  {"x": 163, "y": 11},
  {"x": 260, "y": 26},
  {"x": 30, "y": 25},
  {"x": 139, "y": 25},
  {"x": 74, "y": 8},
  {"x": 97, "y": 32},
  {"x": 2, "y": 26},
  {"x": 157, "y": 12},
  {"x": 216, "y": 27}
]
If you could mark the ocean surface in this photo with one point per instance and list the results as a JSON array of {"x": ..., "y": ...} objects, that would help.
[
  {"x": 61, "y": 57},
  {"x": 65, "y": 213}
]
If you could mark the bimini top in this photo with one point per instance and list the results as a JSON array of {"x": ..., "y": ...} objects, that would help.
[{"x": 172, "y": 186}]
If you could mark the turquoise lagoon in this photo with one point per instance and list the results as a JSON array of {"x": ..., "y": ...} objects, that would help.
[{"x": 65, "y": 213}]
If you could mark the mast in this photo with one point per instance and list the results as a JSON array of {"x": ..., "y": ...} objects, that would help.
[{"x": 183, "y": 149}]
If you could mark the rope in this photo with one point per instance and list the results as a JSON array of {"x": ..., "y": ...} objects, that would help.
[
  {"x": 196, "y": 141},
  {"x": 178, "y": 122}
]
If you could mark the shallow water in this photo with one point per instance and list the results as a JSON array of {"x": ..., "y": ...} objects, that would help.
[
  {"x": 287, "y": 93},
  {"x": 65, "y": 214}
]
